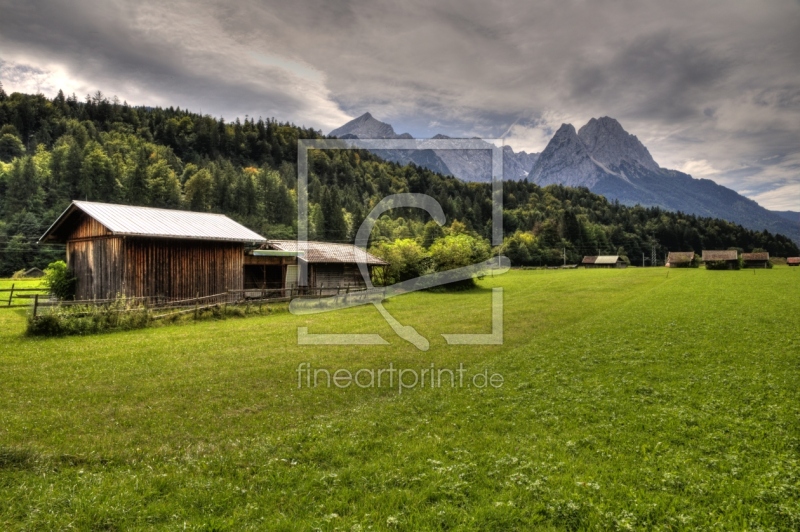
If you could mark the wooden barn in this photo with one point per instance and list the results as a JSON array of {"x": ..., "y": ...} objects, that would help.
[
  {"x": 793, "y": 261},
  {"x": 755, "y": 260},
  {"x": 141, "y": 251},
  {"x": 33, "y": 273},
  {"x": 604, "y": 261},
  {"x": 277, "y": 263},
  {"x": 680, "y": 259},
  {"x": 729, "y": 257}
]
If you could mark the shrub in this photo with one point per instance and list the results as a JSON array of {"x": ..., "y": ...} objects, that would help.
[
  {"x": 19, "y": 274},
  {"x": 60, "y": 280},
  {"x": 457, "y": 251},
  {"x": 407, "y": 260}
]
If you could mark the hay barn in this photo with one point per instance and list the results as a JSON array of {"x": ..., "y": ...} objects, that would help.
[
  {"x": 276, "y": 264},
  {"x": 793, "y": 261},
  {"x": 680, "y": 259},
  {"x": 33, "y": 273},
  {"x": 146, "y": 252},
  {"x": 729, "y": 256},
  {"x": 756, "y": 260},
  {"x": 603, "y": 261}
]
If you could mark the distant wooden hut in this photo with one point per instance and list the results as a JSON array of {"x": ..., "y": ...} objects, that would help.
[
  {"x": 276, "y": 264},
  {"x": 793, "y": 261},
  {"x": 755, "y": 260},
  {"x": 604, "y": 261},
  {"x": 721, "y": 259},
  {"x": 33, "y": 273},
  {"x": 140, "y": 251},
  {"x": 680, "y": 259}
]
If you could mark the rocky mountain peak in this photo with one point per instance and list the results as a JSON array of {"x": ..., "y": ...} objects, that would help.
[
  {"x": 366, "y": 127},
  {"x": 610, "y": 145},
  {"x": 566, "y": 161}
]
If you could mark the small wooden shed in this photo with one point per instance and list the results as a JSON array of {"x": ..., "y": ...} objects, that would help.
[
  {"x": 33, "y": 273},
  {"x": 793, "y": 261},
  {"x": 680, "y": 259},
  {"x": 725, "y": 259},
  {"x": 603, "y": 261},
  {"x": 756, "y": 260},
  {"x": 276, "y": 264},
  {"x": 145, "y": 252}
]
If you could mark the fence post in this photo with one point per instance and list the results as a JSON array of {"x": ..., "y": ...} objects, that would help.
[
  {"x": 11, "y": 294},
  {"x": 35, "y": 304}
]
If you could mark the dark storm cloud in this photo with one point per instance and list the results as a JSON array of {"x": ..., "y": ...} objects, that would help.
[
  {"x": 710, "y": 87},
  {"x": 153, "y": 56},
  {"x": 663, "y": 74}
]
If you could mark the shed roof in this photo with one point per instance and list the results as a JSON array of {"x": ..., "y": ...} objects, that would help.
[
  {"x": 601, "y": 259},
  {"x": 127, "y": 220},
  {"x": 678, "y": 257},
  {"x": 793, "y": 260},
  {"x": 326, "y": 252},
  {"x": 755, "y": 256},
  {"x": 728, "y": 254}
]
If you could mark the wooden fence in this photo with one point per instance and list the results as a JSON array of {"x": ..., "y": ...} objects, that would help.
[
  {"x": 163, "y": 306},
  {"x": 19, "y": 293}
]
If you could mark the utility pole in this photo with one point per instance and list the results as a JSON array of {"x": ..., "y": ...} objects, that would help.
[
  {"x": 642, "y": 259},
  {"x": 653, "y": 257}
]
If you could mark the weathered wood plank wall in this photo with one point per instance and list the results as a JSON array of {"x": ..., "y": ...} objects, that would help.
[
  {"x": 181, "y": 268},
  {"x": 95, "y": 258}
]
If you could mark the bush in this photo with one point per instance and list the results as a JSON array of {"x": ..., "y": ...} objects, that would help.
[
  {"x": 407, "y": 260},
  {"x": 60, "y": 280},
  {"x": 457, "y": 251},
  {"x": 19, "y": 274}
]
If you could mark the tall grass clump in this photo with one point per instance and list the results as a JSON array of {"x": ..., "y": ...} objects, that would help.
[
  {"x": 64, "y": 320},
  {"x": 128, "y": 313}
]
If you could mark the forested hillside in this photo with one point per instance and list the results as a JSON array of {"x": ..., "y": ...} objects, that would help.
[{"x": 54, "y": 151}]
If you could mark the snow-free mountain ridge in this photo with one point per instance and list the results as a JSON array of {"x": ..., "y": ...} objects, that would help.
[
  {"x": 600, "y": 156},
  {"x": 468, "y": 165},
  {"x": 609, "y": 161}
]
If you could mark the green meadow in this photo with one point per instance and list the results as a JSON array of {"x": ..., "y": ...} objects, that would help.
[
  {"x": 638, "y": 399},
  {"x": 19, "y": 298}
]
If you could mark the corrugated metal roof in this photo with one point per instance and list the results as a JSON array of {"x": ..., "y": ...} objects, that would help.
[
  {"x": 607, "y": 259},
  {"x": 729, "y": 254},
  {"x": 678, "y": 257},
  {"x": 602, "y": 259},
  {"x": 755, "y": 256},
  {"x": 319, "y": 252},
  {"x": 127, "y": 220}
]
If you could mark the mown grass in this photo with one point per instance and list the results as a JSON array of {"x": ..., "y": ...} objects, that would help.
[{"x": 632, "y": 400}]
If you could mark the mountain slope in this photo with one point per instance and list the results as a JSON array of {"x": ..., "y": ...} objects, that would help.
[
  {"x": 607, "y": 160},
  {"x": 468, "y": 165},
  {"x": 367, "y": 127}
]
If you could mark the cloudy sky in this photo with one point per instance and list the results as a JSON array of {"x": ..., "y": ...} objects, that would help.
[{"x": 711, "y": 88}]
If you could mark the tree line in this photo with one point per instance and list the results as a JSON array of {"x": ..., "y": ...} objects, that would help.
[{"x": 100, "y": 149}]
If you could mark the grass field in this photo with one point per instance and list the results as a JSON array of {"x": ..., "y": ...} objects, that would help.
[
  {"x": 632, "y": 400},
  {"x": 19, "y": 298}
]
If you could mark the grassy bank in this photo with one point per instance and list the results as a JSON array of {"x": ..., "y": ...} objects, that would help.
[{"x": 631, "y": 400}]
